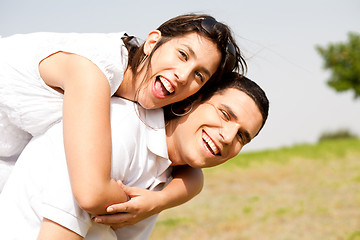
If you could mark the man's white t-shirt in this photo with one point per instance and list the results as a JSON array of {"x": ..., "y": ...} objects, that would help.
[{"x": 39, "y": 185}]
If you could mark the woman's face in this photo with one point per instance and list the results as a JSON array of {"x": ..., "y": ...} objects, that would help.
[
  {"x": 213, "y": 131},
  {"x": 179, "y": 68}
]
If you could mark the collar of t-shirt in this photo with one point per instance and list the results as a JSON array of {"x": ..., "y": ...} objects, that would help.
[{"x": 156, "y": 136}]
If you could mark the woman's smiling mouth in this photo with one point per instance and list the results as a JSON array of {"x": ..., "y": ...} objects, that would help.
[
  {"x": 167, "y": 85},
  {"x": 162, "y": 87}
]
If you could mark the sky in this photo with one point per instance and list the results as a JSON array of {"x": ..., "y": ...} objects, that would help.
[{"x": 277, "y": 38}]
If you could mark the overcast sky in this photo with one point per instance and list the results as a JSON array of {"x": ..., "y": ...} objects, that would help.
[{"x": 278, "y": 39}]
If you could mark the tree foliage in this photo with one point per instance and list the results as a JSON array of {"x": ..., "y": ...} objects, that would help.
[
  {"x": 343, "y": 59},
  {"x": 340, "y": 134}
]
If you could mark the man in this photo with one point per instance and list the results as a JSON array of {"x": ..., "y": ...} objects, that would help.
[{"x": 38, "y": 193}]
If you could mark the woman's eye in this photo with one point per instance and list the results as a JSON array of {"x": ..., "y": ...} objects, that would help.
[
  {"x": 200, "y": 76},
  {"x": 183, "y": 55}
]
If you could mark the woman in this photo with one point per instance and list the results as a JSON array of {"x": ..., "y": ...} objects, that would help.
[
  {"x": 47, "y": 77},
  {"x": 217, "y": 127}
]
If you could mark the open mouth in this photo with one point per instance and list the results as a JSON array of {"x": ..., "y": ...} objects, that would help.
[
  {"x": 163, "y": 87},
  {"x": 209, "y": 143}
]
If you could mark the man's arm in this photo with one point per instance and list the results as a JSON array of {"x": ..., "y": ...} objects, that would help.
[{"x": 187, "y": 183}]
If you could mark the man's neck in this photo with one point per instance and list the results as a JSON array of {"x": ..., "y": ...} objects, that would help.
[{"x": 169, "y": 129}]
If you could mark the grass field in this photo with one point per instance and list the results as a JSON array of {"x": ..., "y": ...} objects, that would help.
[{"x": 307, "y": 192}]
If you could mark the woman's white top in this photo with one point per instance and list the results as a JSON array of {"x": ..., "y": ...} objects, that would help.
[
  {"x": 28, "y": 107},
  {"x": 39, "y": 184}
]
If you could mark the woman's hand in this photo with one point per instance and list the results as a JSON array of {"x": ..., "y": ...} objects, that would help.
[
  {"x": 187, "y": 182},
  {"x": 142, "y": 204}
]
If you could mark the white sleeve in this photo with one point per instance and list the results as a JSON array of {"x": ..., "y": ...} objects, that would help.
[
  {"x": 39, "y": 187},
  {"x": 59, "y": 204},
  {"x": 138, "y": 231}
]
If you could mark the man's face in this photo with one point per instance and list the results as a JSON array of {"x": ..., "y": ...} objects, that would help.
[{"x": 214, "y": 131}]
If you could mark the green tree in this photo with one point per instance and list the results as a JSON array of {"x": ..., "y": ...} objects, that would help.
[{"x": 343, "y": 59}]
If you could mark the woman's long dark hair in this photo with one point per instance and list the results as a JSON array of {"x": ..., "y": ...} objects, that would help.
[{"x": 217, "y": 32}]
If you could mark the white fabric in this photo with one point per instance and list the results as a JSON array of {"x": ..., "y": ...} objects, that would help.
[
  {"x": 28, "y": 107},
  {"x": 39, "y": 185}
]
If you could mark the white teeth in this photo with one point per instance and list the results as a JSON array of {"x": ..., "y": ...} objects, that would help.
[
  {"x": 210, "y": 143},
  {"x": 166, "y": 84}
]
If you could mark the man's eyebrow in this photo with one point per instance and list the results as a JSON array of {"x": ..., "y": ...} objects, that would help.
[
  {"x": 247, "y": 136},
  {"x": 192, "y": 52},
  {"x": 230, "y": 111},
  {"x": 233, "y": 115}
]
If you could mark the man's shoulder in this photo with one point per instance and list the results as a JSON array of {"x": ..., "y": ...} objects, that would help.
[{"x": 121, "y": 107}]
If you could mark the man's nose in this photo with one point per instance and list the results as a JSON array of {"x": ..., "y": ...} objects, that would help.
[{"x": 228, "y": 132}]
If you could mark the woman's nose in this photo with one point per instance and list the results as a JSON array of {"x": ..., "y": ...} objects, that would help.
[{"x": 183, "y": 74}]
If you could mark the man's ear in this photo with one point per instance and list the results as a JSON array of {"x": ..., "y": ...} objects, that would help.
[{"x": 151, "y": 40}]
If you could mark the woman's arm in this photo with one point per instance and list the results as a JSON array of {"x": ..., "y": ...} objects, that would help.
[
  {"x": 87, "y": 132},
  {"x": 54, "y": 231},
  {"x": 187, "y": 183}
]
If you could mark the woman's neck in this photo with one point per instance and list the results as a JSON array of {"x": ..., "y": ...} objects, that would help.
[{"x": 127, "y": 88}]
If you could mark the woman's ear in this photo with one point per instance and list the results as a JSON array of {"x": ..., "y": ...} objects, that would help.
[
  {"x": 151, "y": 40},
  {"x": 191, "y": 106}
]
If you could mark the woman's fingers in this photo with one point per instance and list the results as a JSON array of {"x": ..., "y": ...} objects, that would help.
[
  {"x": 115, "y": 220},
  {"x": 130, "y": 191},
  {"x": 118, "y": 208}
]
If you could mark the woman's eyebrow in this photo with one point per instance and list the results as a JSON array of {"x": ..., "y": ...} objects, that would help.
[
  {"x": 192, "y": 52},
  {"x": 206, "y": 71}
]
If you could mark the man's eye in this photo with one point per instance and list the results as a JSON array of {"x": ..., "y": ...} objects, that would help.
[
  {"x": 241, "y": 138},
  {"x": 225, "y": 114}
]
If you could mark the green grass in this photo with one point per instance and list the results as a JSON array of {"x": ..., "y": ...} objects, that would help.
[
  {"x": 306, "y": 192},
  {"x": 322, "y": 151}
]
